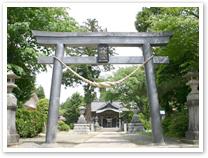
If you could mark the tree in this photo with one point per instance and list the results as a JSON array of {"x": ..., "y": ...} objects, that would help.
[
  {"x": 182, "y": 49},
  {"x": 70, "y": 108},
  {"x": 22, "y": 49},
  {"x": 40, "y": 92}
]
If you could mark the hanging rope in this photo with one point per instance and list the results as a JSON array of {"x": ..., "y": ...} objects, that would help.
[{"x": 106, "y": 84}]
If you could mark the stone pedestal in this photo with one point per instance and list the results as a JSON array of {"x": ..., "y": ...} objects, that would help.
[
  {"x": 193, "y": 107},
  {"x": 125, "y": 128},
  {"x": 81, "y": 128},
  {"x": 12, "y": 136},
  {"x": 135, "y": 125},
  {"x": 92, "y": 127}
]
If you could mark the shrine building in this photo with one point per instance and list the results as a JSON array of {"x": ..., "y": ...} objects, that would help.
[{"x": 108, "y": 113}]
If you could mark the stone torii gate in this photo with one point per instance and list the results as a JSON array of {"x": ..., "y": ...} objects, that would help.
[{"x": 125, "y": 39}]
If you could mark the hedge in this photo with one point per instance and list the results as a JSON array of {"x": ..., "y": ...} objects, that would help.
[
  {"x": 29, "y": 123},
  {"x": 176, "y": 124},
  {"x": 62, "y": 126}
]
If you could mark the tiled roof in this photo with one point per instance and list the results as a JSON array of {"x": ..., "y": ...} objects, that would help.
[{"x": 101, "y": 105}]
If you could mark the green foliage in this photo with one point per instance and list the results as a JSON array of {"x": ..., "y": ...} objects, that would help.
[
  {"x": 25, "y": 87},
  {"x": 126, "y": 116},
  {"x": 29, "y": 123},
  {"x": 70, "y": 110},
  {"x": 71, "y": 125},
  {"x": 176, "y": 124},
  {"x": 42, "y": 107},
  {"x": 40, "y": 92},
  {"x": 182, "y": 50},
  {"x": 22, "y": 49},
  {"x": 62, "y": 126},
  {"x": 143, "y": 21},
  {"x": 145, "y": 122}
]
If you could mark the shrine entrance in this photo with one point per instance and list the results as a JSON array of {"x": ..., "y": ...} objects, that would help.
[
  {"x": 109, "y": 119},
  {"x": 102, "y": 40}
]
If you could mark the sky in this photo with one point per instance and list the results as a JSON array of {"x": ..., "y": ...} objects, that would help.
[{"x": 116, "y": 17}]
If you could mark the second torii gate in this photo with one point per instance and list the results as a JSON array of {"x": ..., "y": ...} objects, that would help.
[{"x": 128, "y": 39}]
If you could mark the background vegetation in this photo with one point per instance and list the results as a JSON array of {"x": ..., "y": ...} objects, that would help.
[{"x": 70, "y": 109}]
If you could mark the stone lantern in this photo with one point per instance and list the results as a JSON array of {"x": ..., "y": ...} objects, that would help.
[
  {"x": 193, "y": 107},
  {"x": 81, "y": 127},
  {"x": 12, "y": 136},
  {"x": 135, "y": 125},
  {"x": 81, "y": 119},
  {"x": 11, "y": 77},
  {"x": 97, "y": 126}
]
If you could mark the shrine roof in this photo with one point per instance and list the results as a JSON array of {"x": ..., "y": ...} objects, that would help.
[{"x": 102, "y": 106}]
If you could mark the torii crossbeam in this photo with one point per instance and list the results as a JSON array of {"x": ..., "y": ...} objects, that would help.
[{"x": 126, "y": 39}]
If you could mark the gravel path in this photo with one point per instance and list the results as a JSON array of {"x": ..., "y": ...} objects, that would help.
[
  {"x": 64, "y": 140},
  {"x": 107, "y": 139}
]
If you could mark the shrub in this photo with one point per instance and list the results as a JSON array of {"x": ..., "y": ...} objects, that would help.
[
  {"x": 62, "y": 126},
  {"x": 71, "y": 125},
  {"x": 42, "y": 107},
  {"x": 29, "y": 123},
  {"x": 176, "y": 124},
  {"x": 146, "y": 123}
]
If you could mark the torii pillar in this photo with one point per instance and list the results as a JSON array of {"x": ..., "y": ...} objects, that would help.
[
  {"x": 153, "y": 95},
  {"x": 55, "y": 96}
]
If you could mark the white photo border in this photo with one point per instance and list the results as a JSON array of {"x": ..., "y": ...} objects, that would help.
[{"x": 155, "y": 149}]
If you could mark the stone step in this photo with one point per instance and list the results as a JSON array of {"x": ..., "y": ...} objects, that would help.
[{"x": 109, "y": 130}]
